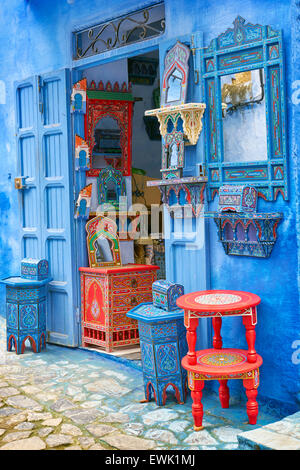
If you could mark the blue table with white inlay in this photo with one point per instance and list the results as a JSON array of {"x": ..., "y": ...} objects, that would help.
[
  {"x": 163, "y": 345},
  {"x": 25, "y": 313}
]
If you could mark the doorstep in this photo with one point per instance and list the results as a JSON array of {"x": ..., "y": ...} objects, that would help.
[
  {"x": 129, "y": 356},
  {"x": 281, "y": 435}
]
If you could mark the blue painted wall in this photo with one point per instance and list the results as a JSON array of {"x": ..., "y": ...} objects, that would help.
[{"x": 36, "y": 38}]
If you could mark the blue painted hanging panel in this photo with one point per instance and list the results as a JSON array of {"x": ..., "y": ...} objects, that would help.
[{"x": 186, "y": 237}]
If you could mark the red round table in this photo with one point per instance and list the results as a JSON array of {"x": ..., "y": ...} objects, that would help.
[{"x": 217, "y": 363}]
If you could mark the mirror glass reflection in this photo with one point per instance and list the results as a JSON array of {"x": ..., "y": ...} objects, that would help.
[
  {"x": 244, "y": 121},
  {"x": 174, "y": 86},
  {"x": 104, "y": 250},
  {"x": 173, "y": 155}
]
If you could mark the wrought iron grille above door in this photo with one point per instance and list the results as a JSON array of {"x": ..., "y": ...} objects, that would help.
[{"x": 128, "y": 29}]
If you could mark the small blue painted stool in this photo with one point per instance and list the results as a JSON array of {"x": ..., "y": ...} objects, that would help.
[
  {"x": 25, "y": 313},
  {"x": 163, "y": 345}
]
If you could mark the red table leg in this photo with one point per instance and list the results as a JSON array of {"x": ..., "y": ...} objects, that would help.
[
  {"x": 224, "y": 393},
  {"x": 217, "y": 339},
  {"x": 191, "y": 337},
  {"x": 252, "y": 405},
  {"x": 197, "y": 407},
  {"x": 250, "y": 337}
]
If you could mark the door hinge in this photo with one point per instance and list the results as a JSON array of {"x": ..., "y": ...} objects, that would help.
[{"x": 77, "y": 314}]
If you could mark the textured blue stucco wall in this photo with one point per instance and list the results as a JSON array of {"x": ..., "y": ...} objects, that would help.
[{"x": 36, "y": 38}]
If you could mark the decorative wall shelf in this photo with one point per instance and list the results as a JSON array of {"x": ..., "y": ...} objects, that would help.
[
  {"x": 247, "y": 233},
  {"x": 190, "y": 113},
  {"x": 179, "y": 192},
  {"x": 180, "y": 124}
]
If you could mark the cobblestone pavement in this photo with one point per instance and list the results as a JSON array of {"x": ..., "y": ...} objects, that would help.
[{"x": 73, "y": 399}]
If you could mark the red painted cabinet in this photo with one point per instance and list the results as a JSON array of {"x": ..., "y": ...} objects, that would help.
[{"x": 106, "y": 296}]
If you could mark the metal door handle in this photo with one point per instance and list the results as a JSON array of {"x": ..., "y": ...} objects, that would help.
[{"x": 20, "y": 182}]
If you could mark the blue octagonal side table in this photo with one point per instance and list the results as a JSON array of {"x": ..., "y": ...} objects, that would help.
[
  {"x": 163, "y": 345},
  {"x": 25, "y": 313}
]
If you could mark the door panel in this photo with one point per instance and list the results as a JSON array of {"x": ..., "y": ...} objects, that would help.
[
  {"x": 186, "y": 240},
  {"x": 46, "y": 205},
  {"x": 27, "y": 143}
]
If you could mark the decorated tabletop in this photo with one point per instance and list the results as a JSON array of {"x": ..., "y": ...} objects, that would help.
[
  {"x": 148, "y": 313},
  {"x": 222, "y": 361},
  {"x": 16, "y": 281},
  {"x": 217, "y": 300}
]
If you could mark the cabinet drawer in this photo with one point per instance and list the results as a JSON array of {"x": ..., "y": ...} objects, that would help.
[
  {"x": 125, "y": 302},
  {"x": 127, "y": 283},
  {"x": 120, "y": 320}
]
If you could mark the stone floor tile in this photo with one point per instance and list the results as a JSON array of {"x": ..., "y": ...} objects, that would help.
[
  {"x": 8, "y": 392},
  {"x": 158, "y": 416},
  {"x": 44, "y": 432},
  {"x": 97, "y": 447},
  {"x": 32, "y": 443},
  {"x": 70, "y": 429},
  {"x": 80, "y": 397},
  {"x": 116, "y": 418},
  {"x": 179, "y": 426},
  {"x": 16, "y": 419},
  {"x": 31, "y": 389},
  {"x": 32, "y": 416},
  {"x": 46, "y": 396},
  {"x": 90, "y": 404},
  {"x": 22, "y": 401},
  {"x": 226, "y": 433},
  {"x": 86, "y": 442},
  {"x": 62, "y": 405},
  {"x": 201, "y": 438},
  {"x": 24, "y": 426},
  {"x": 57, "y": 440},
  {"x": 123, "y": 442},
  {"x": 134, "y": 429},
  {"x": 100, "y": 430},
  {"x": 73, "y": 448},
  {"x": 83, "y": 416},
  {"x": 16, "y": 436},
  {"x": 161, "y": 435},
  {"x": 52, "y": 422}
]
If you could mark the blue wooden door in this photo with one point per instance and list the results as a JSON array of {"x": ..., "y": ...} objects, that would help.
[
  {"x": 46, "y": 204},
  {"x": 186, "y": 240}
]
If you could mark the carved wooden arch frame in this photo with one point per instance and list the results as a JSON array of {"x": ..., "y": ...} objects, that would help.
[
  {"x": 246, "y": 47},
  {"x": 107, "y": 228},
  {"x": 121, "y": 112},
  {"x": 176, "y": 58}
]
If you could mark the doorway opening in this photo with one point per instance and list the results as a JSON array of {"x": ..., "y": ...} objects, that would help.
[
  {"x": 138, "y": 75},
  {"x": 131, "y": 145}
]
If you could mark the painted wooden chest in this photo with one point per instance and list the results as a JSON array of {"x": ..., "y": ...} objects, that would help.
[
  {"x": 163, "y": 345},
  {"x": 165, "y": 294},
  {"x": 25, "y": 313},
  {"x": 237, "y": 198},
  {"x": 107, "y": 294},
  {"x": 35, "y": 269}
]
